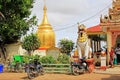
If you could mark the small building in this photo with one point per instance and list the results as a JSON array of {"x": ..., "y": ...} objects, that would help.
[{"x": 109, "y": 26}]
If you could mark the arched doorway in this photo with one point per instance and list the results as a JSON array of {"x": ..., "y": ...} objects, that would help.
[
  {"x": 117, "y": 40},
  {"x": 117, "y": 49}
]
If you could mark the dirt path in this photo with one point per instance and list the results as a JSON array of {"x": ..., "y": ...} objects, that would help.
[{"x": 92, "y": 76}]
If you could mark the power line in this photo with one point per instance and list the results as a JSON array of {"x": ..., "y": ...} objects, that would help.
[
  {"x": 65, "y": 27},
  {"x": 96, "y": 14},
  {"x": 85, "y": 19}
]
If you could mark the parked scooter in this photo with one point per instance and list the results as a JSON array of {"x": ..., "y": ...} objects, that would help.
[
  {"x": 34, "y": 69},
  {"x": 80, "y": 67}
]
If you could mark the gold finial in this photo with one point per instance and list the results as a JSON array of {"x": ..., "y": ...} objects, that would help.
[
  {"x": 45, "y": 8},
  {"x": 45, "y": 20},
  {"x": 44, "y": 2}
]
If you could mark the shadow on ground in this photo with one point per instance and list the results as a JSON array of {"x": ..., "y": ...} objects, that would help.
[
  {"x": 112, "y": 77},
  {"x": 25, "y": 78}
]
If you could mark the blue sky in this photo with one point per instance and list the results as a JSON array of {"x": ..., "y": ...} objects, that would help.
[{"x": 64, "y": 15}]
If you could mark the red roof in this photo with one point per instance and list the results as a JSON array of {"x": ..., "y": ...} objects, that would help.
[
  {"x": 96, "y": 28},
  {"x": 42, "y": 48}
]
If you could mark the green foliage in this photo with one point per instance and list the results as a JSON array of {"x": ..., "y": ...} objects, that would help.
[
  {"x": 31, "y": 42},
  {"x": 66, "y": 46},
  {"x": 27, "y": 58},
  {"x": 64, "y": 59},
  {"x": 47, "y": 59},
  {"x": 17, "y": 21}
]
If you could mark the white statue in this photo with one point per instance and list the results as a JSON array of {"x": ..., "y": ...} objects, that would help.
[{"x": 84, "y": 50}]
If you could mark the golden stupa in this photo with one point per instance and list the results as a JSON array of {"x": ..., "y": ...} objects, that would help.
[{"x": 45, "y": 32}]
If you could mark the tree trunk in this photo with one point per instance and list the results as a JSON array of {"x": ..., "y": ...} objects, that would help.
[
  {"x": 29, "y": 52},
  {"x": 3, "y": 53}
]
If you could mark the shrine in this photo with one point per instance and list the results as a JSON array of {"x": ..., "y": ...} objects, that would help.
[
  {"x": 45, "y": 32},
  {"x": 109, "y": 25},
  {"x": 46, "y": 35}
]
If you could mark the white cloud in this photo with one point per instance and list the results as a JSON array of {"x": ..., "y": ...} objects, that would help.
[
  {"x": 69, "y": 10},
  {"x": 64, "y": 13}
]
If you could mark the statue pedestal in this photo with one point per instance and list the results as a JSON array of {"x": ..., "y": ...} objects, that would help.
[
  {"x": 75, "y": 58},
  {"x": 90, "y": 64}
]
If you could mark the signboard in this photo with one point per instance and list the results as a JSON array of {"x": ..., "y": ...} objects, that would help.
[{"x": 103, "y": 61}]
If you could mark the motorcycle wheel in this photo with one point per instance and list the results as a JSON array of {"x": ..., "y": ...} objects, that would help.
[
  {"x": 30, "y": 75},
  {"x": 75, "y": 70},
  {"x": 41, "y": 72}
]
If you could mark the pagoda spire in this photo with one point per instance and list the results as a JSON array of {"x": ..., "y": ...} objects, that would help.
[
  {"x": 45, "y": 19},
  {"x": 45, "y": 32}
]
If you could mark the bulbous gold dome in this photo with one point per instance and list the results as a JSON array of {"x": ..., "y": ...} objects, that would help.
[{"x": 45, "y": 33}]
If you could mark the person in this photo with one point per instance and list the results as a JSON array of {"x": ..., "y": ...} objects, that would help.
[
  {"x": 112, "y": 53},
  {"x": 37, "y": 65},
  {"x": 115, "y": 59},
  {"x": 117, "y": 51},
  {"x": 9, "y": 67},
  {"x": 29, "y": 66},
  {"x": 17, "y": 66}
]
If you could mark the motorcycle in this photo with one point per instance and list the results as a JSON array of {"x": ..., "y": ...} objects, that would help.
[
  {"x": 80, "y": 67},
  {"x": 33, "y": 70}
]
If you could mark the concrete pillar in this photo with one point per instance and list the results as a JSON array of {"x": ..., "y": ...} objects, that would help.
[{"x": 109, "y": 45}]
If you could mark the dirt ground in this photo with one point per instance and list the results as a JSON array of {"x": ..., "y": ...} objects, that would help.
[{"x": 87, "y": 76}]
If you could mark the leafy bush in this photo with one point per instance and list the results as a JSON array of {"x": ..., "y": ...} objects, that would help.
[
  {"x": 64, "y": 59},
  {"x": 27, "y": 58},
  {"x": 31, "y": 43},
  {"x": 47, "y": 59}
]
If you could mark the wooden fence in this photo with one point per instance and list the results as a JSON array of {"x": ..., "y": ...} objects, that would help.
[
  {"x": 50, "y": 68},
  {"x": 57, "y": 68}
]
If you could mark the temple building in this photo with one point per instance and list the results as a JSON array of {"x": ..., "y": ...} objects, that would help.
[
  {"x": 46, "y": 36},
  {"x": 109, "y": 25},
  {"x": 45, "y": 32}
]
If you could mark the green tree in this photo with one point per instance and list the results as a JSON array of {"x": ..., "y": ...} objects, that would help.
[
  {"x": 31, "y": 43},
  {"x": 66, "y": 46},
  {"x": 16, "y": 21}
]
